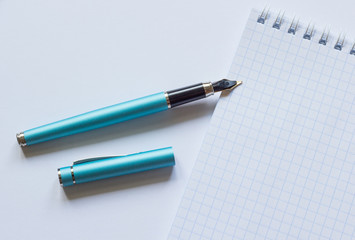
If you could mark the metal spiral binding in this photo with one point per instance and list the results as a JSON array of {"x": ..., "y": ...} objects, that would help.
[
  {"x": 263, "y": 16},
  {"x": 324, "y": 38},
  {"x": 352, "y": 51},
  {"x": 278, "y": 22},
  {"x": 308, "y": 34},
  {"x": 339, "y": 44},
  {"x": 293, "y": 27}
]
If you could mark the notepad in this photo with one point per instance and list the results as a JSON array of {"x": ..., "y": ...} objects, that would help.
[{"x": 278, "y": 158}]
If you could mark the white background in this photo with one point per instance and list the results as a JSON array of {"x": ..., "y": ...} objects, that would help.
[{"x": 62, "y": 58}]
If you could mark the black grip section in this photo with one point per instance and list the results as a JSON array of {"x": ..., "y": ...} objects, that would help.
[{"x": 187, "y": 94}]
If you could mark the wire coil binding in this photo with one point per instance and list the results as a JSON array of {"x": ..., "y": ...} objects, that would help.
[{"x": 308, "y": 34}]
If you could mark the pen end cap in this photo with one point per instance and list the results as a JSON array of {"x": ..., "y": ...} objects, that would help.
[
  {"x": 60, "y": 177},
  {"x": 21, "y": 139}
]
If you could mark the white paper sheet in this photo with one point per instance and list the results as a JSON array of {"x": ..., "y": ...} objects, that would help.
[{"x": 277, "y": 161}]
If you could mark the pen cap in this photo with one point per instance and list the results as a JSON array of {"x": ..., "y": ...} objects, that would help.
[{"x": 106, "y": 167}]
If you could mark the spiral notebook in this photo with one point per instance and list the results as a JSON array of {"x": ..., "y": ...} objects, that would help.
[{"x": 278, "y": 158}]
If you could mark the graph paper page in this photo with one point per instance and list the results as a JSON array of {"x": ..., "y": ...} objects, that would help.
[{"x": 277, "y": 161}]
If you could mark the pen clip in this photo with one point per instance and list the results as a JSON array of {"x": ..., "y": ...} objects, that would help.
[{"x": 95, "y": 159}]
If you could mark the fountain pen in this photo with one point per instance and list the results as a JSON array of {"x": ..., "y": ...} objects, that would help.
[{"x": 122, "y": 112}]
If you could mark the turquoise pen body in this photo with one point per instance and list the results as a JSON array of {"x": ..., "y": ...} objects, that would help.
[
  {"x": 122, "y": 112},
  {"x": 96, "y": 119},
  {"x": 89, "y": 170}
]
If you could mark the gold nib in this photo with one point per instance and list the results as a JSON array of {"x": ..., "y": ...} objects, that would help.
[
  {"x": 236, "y": 85},
  {"x": 225, "y": 84}
]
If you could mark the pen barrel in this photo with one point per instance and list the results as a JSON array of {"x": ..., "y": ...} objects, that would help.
[
  {"x": 116, "y": 166},
  {"x": 97, "y": 119},
  {"x": 188, "y": 94}
]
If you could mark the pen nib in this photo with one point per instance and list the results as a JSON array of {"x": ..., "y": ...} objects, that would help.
[{"x": 225, "y": 84}]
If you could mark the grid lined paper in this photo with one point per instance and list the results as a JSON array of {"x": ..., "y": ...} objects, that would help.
[{"x": 277, "y": 161}]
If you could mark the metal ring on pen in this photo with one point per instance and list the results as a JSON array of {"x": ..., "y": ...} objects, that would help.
[
  {"x": 72, "y": 174},
  {"x": 167, "y": 100},
  {"x": 208, "y": 87},
  {"x": 60, "y": 177}
]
